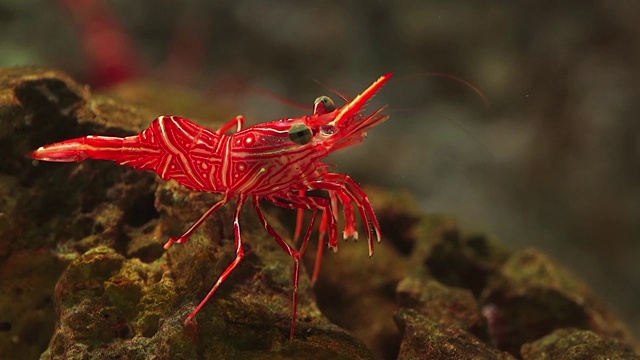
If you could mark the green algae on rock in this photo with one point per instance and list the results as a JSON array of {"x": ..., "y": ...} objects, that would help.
[
  {"x": 531, "y": 296},
  {"x": 427, "y": 339},
  {"x": 467, "y": 297},
  {"x": 99, "y": 218},
  {"x": 574, "y": 344},
  {"x": 123, "y": 296}
]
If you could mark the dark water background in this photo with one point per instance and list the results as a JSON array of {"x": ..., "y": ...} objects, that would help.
[{"x": 552, "y": 162}]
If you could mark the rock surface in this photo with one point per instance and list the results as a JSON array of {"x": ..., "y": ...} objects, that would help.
[
  {"x": 574, "y": 344},
  {"x": 83, "y": 273}
]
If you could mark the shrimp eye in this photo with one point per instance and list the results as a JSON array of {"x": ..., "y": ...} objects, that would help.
[
  {"x": 300, "y": 134},
  {"x": 323, "y": 105}
]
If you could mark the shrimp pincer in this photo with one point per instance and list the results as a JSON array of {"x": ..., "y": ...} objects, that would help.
[{"x": 278, "y": 161}]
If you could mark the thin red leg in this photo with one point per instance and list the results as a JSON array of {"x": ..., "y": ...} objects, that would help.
[
  {"x": 299, "y": 220},
  {"x": 343, "y": 184},
  {"x": 239, "y": 256},
  {"x": 328, "y": 222},
  {"x": 353, "y": 188},
  {"x": 292, "y": 252},
  {"x": 349, "y": 231},
  {"x": 365, "y": 201},
  {"x": 185, "y": 237},
  {"x": 344, "y": 193},
  {"x": 363, "y": 215},
  {"x": 311, "y": 202},
  {"x": 317, "y": 265},
  {"x": 237, "y": 121},
  {"x": 347, "y": 206},
  {"x": 349, "y": 217}
]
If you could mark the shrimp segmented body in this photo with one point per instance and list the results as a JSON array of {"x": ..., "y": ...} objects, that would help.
[{"x": 278, "y": 161}]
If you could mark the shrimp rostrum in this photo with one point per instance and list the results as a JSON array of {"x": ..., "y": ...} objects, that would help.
[{"x": 278, "y": 161}]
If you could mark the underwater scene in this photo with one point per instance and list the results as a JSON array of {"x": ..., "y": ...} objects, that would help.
[{"x": 319, "y": 180}]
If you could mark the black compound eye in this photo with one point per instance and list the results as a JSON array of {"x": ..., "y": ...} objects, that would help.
[
  {"x": 323, "y": 105},
  {"x": 300, "y": 134}
]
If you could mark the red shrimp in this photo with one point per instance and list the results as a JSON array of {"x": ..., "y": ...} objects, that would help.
[{"x": 277, "y": 161}]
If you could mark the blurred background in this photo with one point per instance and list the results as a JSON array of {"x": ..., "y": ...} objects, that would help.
[{"x": 550, "y": 159}]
